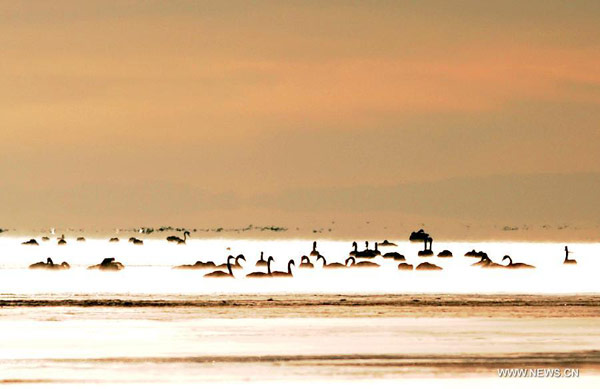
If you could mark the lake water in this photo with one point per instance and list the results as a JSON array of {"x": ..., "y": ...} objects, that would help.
[{"x": 151, "y": 324}]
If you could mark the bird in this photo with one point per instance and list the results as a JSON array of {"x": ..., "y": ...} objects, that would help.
[
  {"x": 61, "y": 240},
  {"x": 405, "y": 266},
  {"x": 314, "y": 251},
  {"x": 236, "y": 265},
  {"x": 178, "y": 240},
  {"x": 108, "y": 264},
  {"x": 360, "y": 264},
  {"x": 394, "y": 255},
  {"x": 368, "y": 253},
  {"x": 31, "y": 242},
  {"x": 333, "y": 265},
  {"x": 354, "y": 249},
  {"x": 135, "y": 240},
  {"x": 445, "y": 254},
  {"x": 427, "y": 252},
  {"x": 261, "y": 261},
  {"x": 516, "y": 265},
  {"x": 418, "y": 236},
  {"x": 45, "y": 238},
  {"x": 305, "y": 262},
  {"x": 568, "y": 261},
  {"x": 113, "y": 240},
  {"x": 49, "y": 265},
  {"x": 80, "y": 239},
  {"x": 198, "y": 265},
  {"x": 475, "y": 254},
  {"x": 387, "y": 243},
  {"x": 220, "y": 273},
  {"x": 428, "y": 266},
  {"x": 284, "y": 274},
  {"x": 258, "y": 274},
  {"x": 486, "y": 262}
]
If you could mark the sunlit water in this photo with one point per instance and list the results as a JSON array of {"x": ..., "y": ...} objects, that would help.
[{"x": 253, "y": 342}]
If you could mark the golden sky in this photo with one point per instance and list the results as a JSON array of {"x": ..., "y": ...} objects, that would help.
[{"x": 130, "y": 112}]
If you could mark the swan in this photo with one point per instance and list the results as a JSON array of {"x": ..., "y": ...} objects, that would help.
[
  {"x": 284, "y": 274},
  {"x": 487, "y": 262},
  {"x": 445, "y": 254},
  {"x": 258, "y": 274},
  {"x": 178, "y": 240},
  {"x": 428, "y": 266},
  {"x": 314, "y": 251},
  {"x": 367, "y": 253},
  {"x": 113, "y": 240},
  {"x": 568, "y": 261},
  {"x": 81, "y": 239},
  {"x": 418, "y": 236},
  {"x": 31, "y": 242},
  {"x": 475, "y": 254},
  {"x": 135, "y": 240},
  {"x": 108, "y": 264},
  {"x": 198, "y": 265},
  {"x": 305, "y": 262},
  {"x": 45, "y": 238},
  {"x": 49, "y": 265},
  {"x": 261, "y": 261},
  {"x": 517, "y": 265},
  {"x": 394, "y": 255},
  {"x": 236, "y": 265},
  {"x": 333, "y": 265},
  {"x": 405, "y": 266},
  {"x": 427, "y": 252},
  {"x": 360, "y": 264},
  {"x": 220, "y": 273},
  {"x": 387, "y": 243},
  {"x": 354, "y": 249},
  {"x": 62, "y": 240}
]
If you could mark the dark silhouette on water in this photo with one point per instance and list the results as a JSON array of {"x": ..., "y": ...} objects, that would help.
[
  {"x": 387, "y": 243},
  {"x": 135, "y": 240},
  {"x": 113, "y": 240},
  {"x": 45, "y": 238},
  {"x": 354, "y": 249},
  {"x": 418, "y": 236},
  {"x": 49, "y": 265},
  {"x": 395, "y": 256},
  {"x": 261, "y": 261},
  {"x": 284, "y": 274},
  {"x": 368, "y": 253},
  {"x": 427, "y": 252},
  {"x": 61, "y": 240},
  {"x": 405, "y": 266},
  {"x": 178, "y": 240},
  {"x": 445, "y": 254},
  {"x": 516, "y": 265},
  {"x": 31, "y": 242},
  {"x": 333, "y": 265},
  {"x": 236, "y": 265},
  {"x": 428, "y": 266},
  {"x": 258, "y": 274},
  {"x": 486, "y": 262},
  {"x": 568, "y": 261},
  {"x": 314, "y": 251},
  {"x": 108, "y": 264},
  {"x": 475, "y": 254},
  {"x": 305, "y": 262},
  {"x": 80, "y": 239},
  {"x": 220, "y": 273},
  {"x": 360, "y": 264}
]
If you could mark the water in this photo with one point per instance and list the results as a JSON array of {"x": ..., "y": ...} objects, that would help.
[{"x": 151, "y": 324}]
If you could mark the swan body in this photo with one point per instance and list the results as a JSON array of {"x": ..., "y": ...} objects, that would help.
[
  {"x": 418, "y": 236},
  {"x": 428, "y": 266},
  {"x": 368, "y": 253},
  {"x": 305, "y": 262},
  {"x": 45, "y": 238},
  {"x": 486, "y": 262},
  {"x": 445, "y": 254},
  {"x": 405, "y": 266},
  {"x": 108, "y": 264},
  {"x": 62, "y": 240},
  {"x": 113, "y": 240},
  {"x": 284, "y": 274},
  {"x": 80, "y": 239},
  {"x": 314, "y": 252},
  {"x": 49, "y": 265},
  {"x": 517, "y": 265},
  {"x": 333, "y": 265},
  {"x": 395, "y": 256},
  {"x": 360, "y": 264},
  {"x": 258, "y": 274},
  {"x": 568, "y": 261},
  {"x": 229, "y": 273},
  {"x": 178, "y": 240},
  {"x": 261, "y": 261},
  {"x": 31, "y": 242},
  {"x": 198, "y": 265},
  {"x": 135, "y": 240},
  {"x": 387, "y": 243}
]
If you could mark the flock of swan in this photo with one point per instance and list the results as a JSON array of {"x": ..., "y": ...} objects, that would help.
[{"x": 356, "y": 259}]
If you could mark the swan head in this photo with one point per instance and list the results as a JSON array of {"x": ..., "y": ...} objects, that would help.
[
  {"x": 350, "y": 259},
  {"x": 320, "y": 257},
  {"x": 304, "y": 258},
  {"x": 291, "y": 262}
]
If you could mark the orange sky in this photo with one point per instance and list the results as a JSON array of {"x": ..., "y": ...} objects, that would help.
[{"x": 137, "y": 102}]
